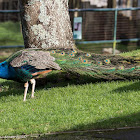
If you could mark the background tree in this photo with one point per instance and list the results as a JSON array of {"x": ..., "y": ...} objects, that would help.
[
  {"x": 46, "y": 24},
  {"x": 111, "y": 4}
]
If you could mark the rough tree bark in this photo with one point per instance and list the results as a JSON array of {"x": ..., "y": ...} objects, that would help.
[{"x": 46, "y": 24}]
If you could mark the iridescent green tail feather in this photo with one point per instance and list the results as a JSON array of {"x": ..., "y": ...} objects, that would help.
[{"x": 97, "y": 66}]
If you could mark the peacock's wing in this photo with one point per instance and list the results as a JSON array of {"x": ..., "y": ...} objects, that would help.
[
  {"x": 33, "y": 58},
  {"x": 29, "y": 61}
]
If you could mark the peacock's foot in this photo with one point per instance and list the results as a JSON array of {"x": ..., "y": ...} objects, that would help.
[{"x": 32, "y": 97}]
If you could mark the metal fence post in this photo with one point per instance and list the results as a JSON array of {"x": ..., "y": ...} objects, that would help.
[{"x": 115, "y": 31}]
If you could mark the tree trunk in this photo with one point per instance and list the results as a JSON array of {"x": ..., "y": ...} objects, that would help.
[
  {"x": 46, "y": 24},
  {"x": 135, "y": 3},
  {"x": 111, "y": 3}
]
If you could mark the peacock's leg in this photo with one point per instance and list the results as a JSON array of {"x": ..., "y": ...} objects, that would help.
[
  {"x": 26, "y": 85},
  {"x": 33, "y": 82}
]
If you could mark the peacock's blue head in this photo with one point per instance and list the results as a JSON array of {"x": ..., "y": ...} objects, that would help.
[{"x": 4, "y": 70}]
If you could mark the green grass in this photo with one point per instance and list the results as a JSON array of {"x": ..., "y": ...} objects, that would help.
[
  {"x": 131, "y": 53},
  {"x": 70, "y": 107},
  {"x": 10, "y": 33}
]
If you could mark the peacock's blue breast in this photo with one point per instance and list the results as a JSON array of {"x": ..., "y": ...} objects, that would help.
[
  {"x": 11, "y": 73},
  {"x": 19, "y": 74}
]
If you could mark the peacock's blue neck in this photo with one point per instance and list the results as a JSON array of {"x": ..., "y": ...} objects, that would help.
[{"x": 6, "y": 71}]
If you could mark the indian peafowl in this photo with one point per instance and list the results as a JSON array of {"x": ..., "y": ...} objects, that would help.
[{"x": 27, "y": 64}]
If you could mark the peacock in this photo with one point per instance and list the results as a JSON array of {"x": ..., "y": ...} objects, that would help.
[{"x": 25, "y": 65}]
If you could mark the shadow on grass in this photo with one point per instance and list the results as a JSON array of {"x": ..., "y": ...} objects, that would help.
[
  {"x": 11, "y": 88},
  {"x": 133, "y": 87},
  {"x": 54, "y": 79},
  {"x": 57, "y": 79},
  {"x": 62, "y": 79},
  {"x": 123, "y": 121}
]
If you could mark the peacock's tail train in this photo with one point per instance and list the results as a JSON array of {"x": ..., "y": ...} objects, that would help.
[{"x": 97, "y": 66}]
